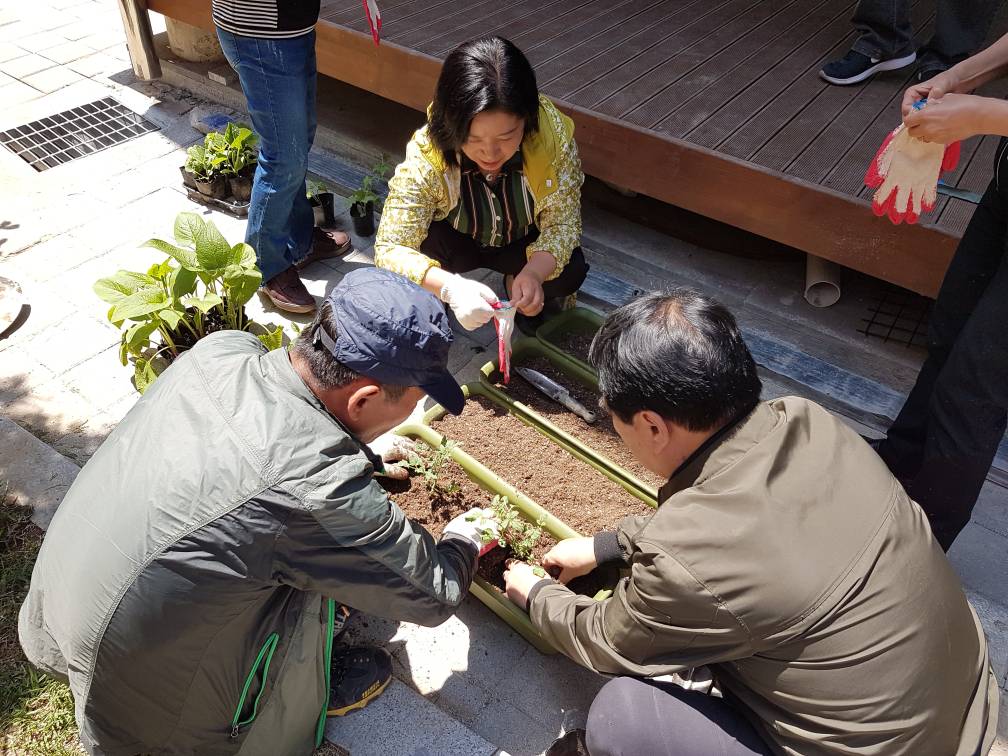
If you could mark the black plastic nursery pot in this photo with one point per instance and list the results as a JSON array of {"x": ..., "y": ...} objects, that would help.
[
  {"x": 240, "y": 187},
  {"x": 327, "y": 200},
  {"x": 216, "y": 188},
  {"x": 188, "y": 177},
  {"x": 363, "y": 218}
]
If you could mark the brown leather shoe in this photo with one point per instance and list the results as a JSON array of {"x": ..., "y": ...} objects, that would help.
[
  {"x": 325, "y": 244},
  {"x": 288, "y": 293}
]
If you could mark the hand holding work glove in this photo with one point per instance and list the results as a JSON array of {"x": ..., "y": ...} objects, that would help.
[
  {"x": 471, "y": 301},
  {"x": 477, "y": 525},
  {"x": 905, "y": 173}
]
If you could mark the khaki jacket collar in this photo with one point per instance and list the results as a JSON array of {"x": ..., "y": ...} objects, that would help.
[{"x": 721, "y": 450}]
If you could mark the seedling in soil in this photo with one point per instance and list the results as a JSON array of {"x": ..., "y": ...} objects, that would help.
[
  {"x": 513, "y": 531},
  {"x": 430, "y": 466}
]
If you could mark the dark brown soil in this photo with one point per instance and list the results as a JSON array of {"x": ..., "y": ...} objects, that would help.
[
  {"x": 494, "y": 562},
  {"x": 213, "y": 321},
  {"x": 575, "y": 492},
  {"x": 435, "y": 510},
  {"x": 601, "y": 436},
  {"x": 575, "y": 344}
]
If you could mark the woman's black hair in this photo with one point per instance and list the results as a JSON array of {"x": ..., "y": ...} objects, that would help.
[{"x": 484, "y": 74}]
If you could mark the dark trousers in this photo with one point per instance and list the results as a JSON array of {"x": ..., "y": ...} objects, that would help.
[
  {"x": 459, "y": 253},
  {"x": 943, "y": 442},
  {"x": 960, "y": 29},
  {"x": 631, "y": 717}
]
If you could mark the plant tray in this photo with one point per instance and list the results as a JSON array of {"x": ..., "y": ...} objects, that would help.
[
  {"x": 226, "y": 205},
  {"x": 578, "y": 371},
  {"x": 579, "y": 320}
]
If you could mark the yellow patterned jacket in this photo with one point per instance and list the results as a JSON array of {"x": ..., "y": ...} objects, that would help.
[{"x": 426, "y": 189}]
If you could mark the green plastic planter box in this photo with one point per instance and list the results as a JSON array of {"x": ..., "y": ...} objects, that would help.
[
  {"x": 579, "y": 320},
  {"x": 493, "y": 484},
  {"x": 576, "y": 370}
]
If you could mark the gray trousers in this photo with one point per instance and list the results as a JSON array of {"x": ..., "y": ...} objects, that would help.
[
  {"x": 961, "y": 27},
  {"x": 631, "y": 717}
]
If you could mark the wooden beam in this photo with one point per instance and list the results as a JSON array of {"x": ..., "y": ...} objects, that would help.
[
  {"x": 807, "y": 216},
  {"x": 140, "y": 39}
]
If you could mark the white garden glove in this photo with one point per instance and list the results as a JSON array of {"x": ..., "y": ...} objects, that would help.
[
  {"x": 478, "y": 526},
  {"x": 905, "y": 172},
  {"x": 471, "y": 301}
]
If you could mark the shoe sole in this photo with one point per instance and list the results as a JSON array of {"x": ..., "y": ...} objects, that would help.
[
  {"x": 359, "y": 704},
  {"x": 884, "y": 65},
  {"x": 285, "y": 307}
]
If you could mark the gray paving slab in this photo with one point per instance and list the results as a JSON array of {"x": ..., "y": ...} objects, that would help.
[
  {"x": 403, "y": 723},
  {"x": 37, "y": 475}
]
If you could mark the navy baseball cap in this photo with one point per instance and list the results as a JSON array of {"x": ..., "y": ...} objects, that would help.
[{"x": 393, "y": 331}]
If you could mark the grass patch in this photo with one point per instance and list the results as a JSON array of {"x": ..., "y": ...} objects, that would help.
[{"x": 36, "y": 712}]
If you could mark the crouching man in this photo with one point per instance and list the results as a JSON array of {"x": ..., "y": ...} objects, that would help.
[
  {"x": 186, "y": 585},
  {"x": 783, "y": 554}
]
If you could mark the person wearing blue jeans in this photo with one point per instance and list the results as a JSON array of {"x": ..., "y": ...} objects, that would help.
[{"x": 274, "y": 57}]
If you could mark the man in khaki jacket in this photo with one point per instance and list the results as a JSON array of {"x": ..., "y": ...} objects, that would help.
[{"x": 783, "y": 554}]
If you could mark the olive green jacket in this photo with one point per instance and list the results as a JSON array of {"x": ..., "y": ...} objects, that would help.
[{"x": 788, "y": 558}]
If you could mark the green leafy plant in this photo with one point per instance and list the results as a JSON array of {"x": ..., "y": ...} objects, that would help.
[
  {"x": 430, "y": 465},
  {"x": 381, "y": 168},
  {"x": 366, "y": 191},
  {"x": 200, "y": 288},
  {"x": 230, "y": 152},
  {"x": 197, "y": 163},
  {"x": 513, "y": 530},
  {"x": 314, "y": 188}
]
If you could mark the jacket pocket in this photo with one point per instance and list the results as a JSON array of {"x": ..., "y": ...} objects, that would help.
[{"x": 255, "y": 684}]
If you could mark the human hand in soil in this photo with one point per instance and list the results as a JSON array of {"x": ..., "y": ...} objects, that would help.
[
  {"x": 571, "y": 558},
  {"x": 400, "y": 451},
  {"x": 519, "y": 578}
]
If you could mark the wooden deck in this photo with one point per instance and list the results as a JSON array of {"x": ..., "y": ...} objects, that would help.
[{"x": 711, "y": 105}]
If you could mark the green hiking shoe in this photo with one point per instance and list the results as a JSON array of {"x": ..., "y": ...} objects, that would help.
[{"x": 357, "y": 676}]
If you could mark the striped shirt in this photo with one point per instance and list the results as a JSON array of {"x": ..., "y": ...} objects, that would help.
[
  {"x": 273, "y": 19},
  {"x": 494, "y": 214}
]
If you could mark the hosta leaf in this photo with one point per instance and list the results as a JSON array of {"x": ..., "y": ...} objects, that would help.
[
  {"x": 172, "y": 318},
  {"x": 143, "y": 302},
  {"x": 115, "y": 289},
  {"x": 243, "y": 254},
  {"x": 205, "y": 303},
  {"x": 143, "y": 375},
  {"x": 213, "y": 253},
  {"x": 138, "y": 336},
  {"x": 185, "y": 257},
  {"x": 181, "y": 283},
  {"x": 240, "y": 284},
  {"x": 272, "y": 339},
  {"x": 188, "y": 227}
]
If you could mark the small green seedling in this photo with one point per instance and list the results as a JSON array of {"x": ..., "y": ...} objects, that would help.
[
  {"x": 514, "y": 531},
  {"x": 429, "y": 466}
]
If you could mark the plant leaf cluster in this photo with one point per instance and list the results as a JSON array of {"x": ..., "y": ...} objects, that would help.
[
  {"x": 201, "y": 287},
  {"x": 366, "y": 192},
  {"x": 429, "y": 466},
  {"x": 513, "y": 530},
  {"x": 229, "y": 153}
]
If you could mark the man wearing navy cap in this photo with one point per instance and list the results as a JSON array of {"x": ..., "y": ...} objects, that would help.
[{"x": 187, "y": 585}]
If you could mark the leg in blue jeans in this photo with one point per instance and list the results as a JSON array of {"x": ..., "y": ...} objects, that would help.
[{"x": 278, "y": 77}]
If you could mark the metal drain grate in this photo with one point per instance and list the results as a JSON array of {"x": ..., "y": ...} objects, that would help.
[
  {"x": 898, "y": 316},
  {"x": 74, "y": 133}
]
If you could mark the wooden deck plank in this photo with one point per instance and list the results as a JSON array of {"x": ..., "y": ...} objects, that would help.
[
  {"x": 613, "y": 32},
  {"x": 755, "y": 80},
  {"x": 431, "y": 19},
  {"x": 744, "y": 58},
  {"x": 547, "y": 32},
  {"x": 605, "y": 79},
  {"x": 489, "y": 21},
  {"x": 957, "y": 213},
  {"x": 339, "y": 12}
]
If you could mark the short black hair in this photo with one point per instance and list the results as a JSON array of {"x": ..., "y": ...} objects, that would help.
[
  {"x": 678, "y": 353},
  {"x": 483, "y": 74},
  {"x": 329, "y": 372}
]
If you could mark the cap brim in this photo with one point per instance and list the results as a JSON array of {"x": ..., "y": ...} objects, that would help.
[{"x": 447, "y": 393}]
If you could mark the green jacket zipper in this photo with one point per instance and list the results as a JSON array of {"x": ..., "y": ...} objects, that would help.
[
  {"x": 327, "y": 661},
  {"x": 262, "y": 660}
]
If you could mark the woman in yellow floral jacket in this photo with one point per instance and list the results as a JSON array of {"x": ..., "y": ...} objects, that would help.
[{"x": 492, "y": 181}]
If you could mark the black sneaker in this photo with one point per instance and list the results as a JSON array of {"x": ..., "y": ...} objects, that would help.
[
  {"x": 930, "y": 70},
  {"x": 855, "y": 67},
  {"x": 571, "y": 744},
  {"x": 357, "y": 676}
]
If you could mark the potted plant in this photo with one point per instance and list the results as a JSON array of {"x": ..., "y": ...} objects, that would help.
[
  {"x": 364, "y": 198},
  {"x": 240, "y": 147},
  {"x": 206, "y": 172},
  {"x": 202, "y": 287},
  {"x": 323, "y": 203}
]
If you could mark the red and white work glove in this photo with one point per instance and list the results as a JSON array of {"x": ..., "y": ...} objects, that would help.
[
  {"x": 373, "y": 19},
  {"x": 471, "y": 301},
  {"x": 905, "y": 173}
]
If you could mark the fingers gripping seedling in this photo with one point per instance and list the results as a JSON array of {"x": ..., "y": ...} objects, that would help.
[{"x": 512, "y": 530}]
